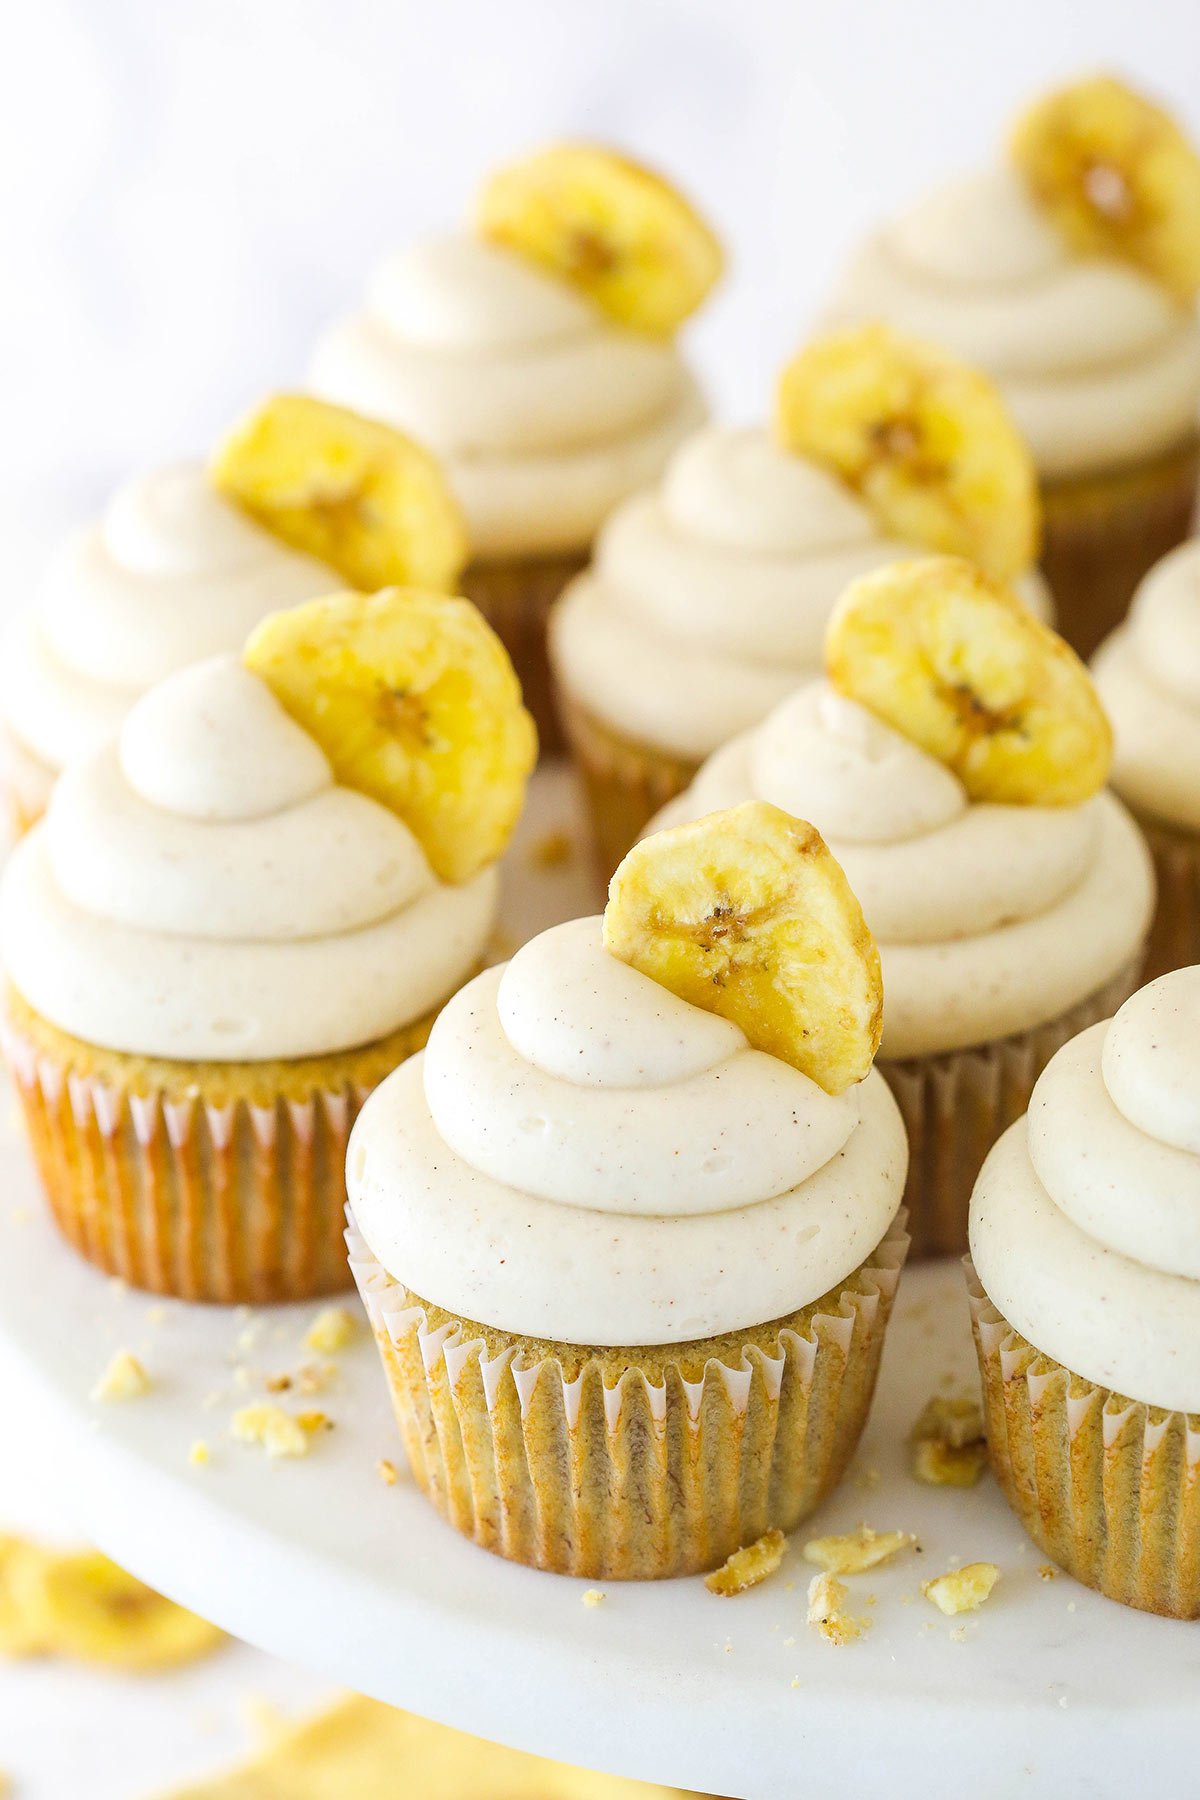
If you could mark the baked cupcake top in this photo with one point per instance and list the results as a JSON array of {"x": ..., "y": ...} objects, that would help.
[
  {"x": 1148, "y": 674},
  {"x": 589, "y": 1151},
  {"x": 953, "y": 757},
  {"x": 536, "y": 353},
  {"x": 1085, "y": 1221},
  {"x": 269, "y": 861},
  {"x": 179, "y": 568},
  {"x": 708, "y": 597},
  {"x": 1068, "y": 271}
]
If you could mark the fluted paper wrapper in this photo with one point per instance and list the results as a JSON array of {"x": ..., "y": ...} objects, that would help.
[
  {"x": 1108, "y": 1487},
  {"x": 515, "y": 596},
  {"x": 955, "y": 1107},
  {"x": 631, "y": 1464},
  {"x": 1103, "y": 533},
  {"x": 624, "y": 783},
  {"x": 1175, "y": 932}
]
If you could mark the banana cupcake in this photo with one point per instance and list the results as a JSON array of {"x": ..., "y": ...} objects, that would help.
[
  {"x": 238, "y": 916},
  {"x": 954, "y": 757},
  {"x": 1085, "y": 1298},
  {"x": 536, "y": 355},
  {"x": 1148, "y": 675},
  {"x": 628, "y": 1231},
  {"x": 1069, "y": 271},
  {"x": 708, "y": 597},
  {"x": 180, "y": 568}
]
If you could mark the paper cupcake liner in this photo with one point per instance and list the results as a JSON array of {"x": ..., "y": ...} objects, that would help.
[
  {"x": 187, "y": 1188},
  {"x": 631, "y": 1464},
  {"x": 1102, "y": 533},
  {"x": 1108, "y": 1487},
  {"x": 955, "y": 1106},
  {"x": 27, "y": 784},
  {"x": 624, "y": 783},
  {"x": 515, "y": 597},
  {"x": 1175, "y": 932}
]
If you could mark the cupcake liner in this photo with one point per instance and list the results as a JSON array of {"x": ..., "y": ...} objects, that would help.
[
  {"x": 1107, "y": 1487},
  {"x": 1175, "y": 931},
  {"x": 624, "y": 783},
  {"x": 1102, "y": 533},
  {"x": 515, "y": 597},
  {"x": 631, "y": 1464},
  {"x": 27, "y": 784},
  {"x": 956, "y": 1105}
]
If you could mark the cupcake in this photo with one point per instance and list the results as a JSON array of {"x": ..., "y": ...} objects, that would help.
[
  {"x": 536, "y": 355},
  {"x": 628, "y": 1230},
  {"x": 1148, "y": 675},
  {"x": 1069, "y": 272},
  {"x": 179, "y": 568},
  {"x": 1085, "y": 1296},
  {"x": 707, "y": 600},
  {"x": 238, "y": 916},
  {"x": 954, "y": 758}
]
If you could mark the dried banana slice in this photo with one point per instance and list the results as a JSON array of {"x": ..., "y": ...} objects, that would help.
[
  {"x": 83, "y": 1605},
  {"x": 955, "y": 662},
  {"x": 747, "y": 914},
  {"x": 359, "y": 496},
  {"x": 611, "y": 228},
  {"x": 925, "y": 440},
  {"x": 22, "y": 1633},
  {"x": 1117, "y": 176},
  {"x": 413, "y": 699}
]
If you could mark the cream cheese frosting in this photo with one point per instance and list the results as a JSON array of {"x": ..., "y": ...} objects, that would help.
[
  {"x": 202, "y": 889},
  {"x": 1148, "y": 675},
  {"x": 1098, "y": 363},
  {"x": 990, "y": 919},
  {"x": 171, "y": 573},
  {"x": 581, "y": 1155},
  {"x": 1085, "y": 1222},
  {"x": 707, "y": 599},
  {"x": 544, "y": 413}
]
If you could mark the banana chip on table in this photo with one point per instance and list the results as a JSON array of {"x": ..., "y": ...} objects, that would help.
[{"x": 79, "y": 1604}]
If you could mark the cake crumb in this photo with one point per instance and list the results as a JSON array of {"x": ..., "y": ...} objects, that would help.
[
  {"x": 593, "y": 1597},
  {"x": 124, "y": 1379},
  {"x": 1047, "y": 1572},
  {"x": 962, "y": 1590},
  {"x": 855, "y": 1551},
  {"x": 949, "y": 1443},
  {"x": 941, "y": 1465},
  {"x": 748, "y": 1566},
  {"x": 385, "y": 1468},
  {"x": 198, "y": 1455},
  {"x": 277, "y": 1384},
  {"x": 826, "y": 1610},
  {"x": 552, "y": 850},
  {"x": 331, "y": 1330},
  {"x": 274, "y": 1430},
  {"x": 314, "y": 1421}
]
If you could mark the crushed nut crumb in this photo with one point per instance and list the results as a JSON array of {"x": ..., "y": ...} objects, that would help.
[
  {"x": 857, "y": 1550},
  {"x": 314, "y": 1421},
  {"x": 331, "y": 1330},
  {"x": 949, "y": 1443},
  {"x": 277, "y": 1384},
  {"x": 274, "y": 1430},
  {"x": 826, "y": 1610},
  {"x": 385, "y": 1468},
  {"x": 124, "y": 1379},
  {"x": 962, "y": 1590},
  {"x": 1047, "y": 1572},
  {"x": 940, "y": 1465},
  {"x": 748, "y": 1566}
]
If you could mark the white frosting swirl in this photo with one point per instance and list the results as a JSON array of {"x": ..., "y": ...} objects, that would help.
[
  {"x": 171, "y": 573},
  {"x": 1099, "y": 364},
  {"x": 708, "y": 599},
  {"x": 1148, "y": 674},
  {"x": 201, "y": 889},
  {"x": 583, "y": 1156},
  {"x": 1085, "y": 1223},
  {"x": 544, "y": 413},
  {"x": 989, "y": 919}
]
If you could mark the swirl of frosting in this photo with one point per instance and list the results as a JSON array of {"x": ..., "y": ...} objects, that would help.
[
  {"x": 1148, "y": 675},
  {"x": 201, "y": 889},
  {"x": 1099, "y": 364},
  {"x": 707, "y": 599},
  {"x": 989, "y": 919},
  {"x": 1085, "y": 1223},
  {"x": 544, "y": 413},
  {"x": 578, "y": 1154},
  {"x": 172, "y": 573}
]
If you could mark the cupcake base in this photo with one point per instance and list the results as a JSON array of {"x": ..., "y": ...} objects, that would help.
[
  {"x": 205, "y": 1181},
  {"x": 515, "y": 596},
  {"x": 955, "y": 1106},
  {"x": 624, "y": 783},
  {"x": 1107, "y": 1487},
  {"x": 1175, "y": 932},
  {"x": 1102, "y": 533},
  {"x": 631, "y": 1464}
]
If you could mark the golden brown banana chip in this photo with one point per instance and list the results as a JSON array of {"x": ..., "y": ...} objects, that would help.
[
  {"x": 82, "y": 1605},
  {"x": 747, "y": 914},
  {"x": 1117, "y": 176},
  {"x": 926, "y": 440},
  {"x": 955, "y": 662},
  {"x": 350, "y": 491},
  {"x": 611, "y": 228},
  {"x": 413, "y": 699}
]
